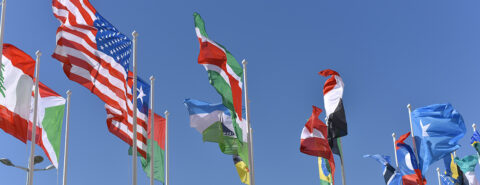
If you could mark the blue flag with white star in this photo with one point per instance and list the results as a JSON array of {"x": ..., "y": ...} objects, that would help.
[{"x": 437, "y": 129}]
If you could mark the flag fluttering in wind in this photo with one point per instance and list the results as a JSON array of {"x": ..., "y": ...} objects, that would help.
[
  {"x": 324, "y": 171},
  {"x": 115, "y": 118},
  {"x": 224, "y": 72},
  {"x": 467, "y": 165},
  {"x": 242, "y": 169},
  {"x": 215, "y": 123},
  {"x": 475, "y": 141},
  {"x": 96, "y": 55},
  {"x": 158, "y": 143},
  {"x": 313, "y": 140},
  {"x": 51, "y": 107},
  {"x": 391, "y": 176},
  {"x": 15, "y": 103},
  {"x": 437, "y": 129},
  {"x": 333, "y": 100},
  {"x": 407, "y": 165},
  {"x": 453, "y": 174}
]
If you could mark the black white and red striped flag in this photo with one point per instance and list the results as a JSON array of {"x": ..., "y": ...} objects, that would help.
[{"x": 333, "y": 100}]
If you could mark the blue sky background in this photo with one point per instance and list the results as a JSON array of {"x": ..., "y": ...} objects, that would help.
[{"x": 389, "y": 53}]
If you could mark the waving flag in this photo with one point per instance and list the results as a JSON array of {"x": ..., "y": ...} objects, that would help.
[
  {"x": 116, "y": 122},
  {"x": 475, "y": 141},
  {"x": 336, "y": 120},
  {"x": 325, "y": 172},
  {"x": 313, "y": 140},
  {"x": 333, "y": 97},
  {"x": 51, "y": 107},
  {"x": 467, "y": 165},
  {"x": 437, "y": 130},
  {"x": 391, "y": 176},
  {"x": 224, "y": 72},
  {"x": 452, "y": 172},
  {"x": 215, "y": 123},
  {"x": 15, "y": 102},
  {"x": 96, "y": 55},
  {"x": 242, "y": 169},
  {"x": 158, "y": 143},
  {"x": 407, "y": 164}
]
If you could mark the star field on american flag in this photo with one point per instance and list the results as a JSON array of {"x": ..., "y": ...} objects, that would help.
[{"x": 112, "y": 42}]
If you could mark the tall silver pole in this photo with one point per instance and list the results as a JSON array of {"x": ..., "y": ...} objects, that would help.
[
  {"x": 2, "y": 31},
  {"x": 395, "y": 148},
  {"x": 438, "y": 175},
  {"x": 34, "y": 122},
  {"x": 411, "y": 132},
  {"x": 65, "y": 153},
  {"x": 134, "y": 130},
  {"x": 341, "y": 160},
  {"x": 247, "y": 115},
  {"x": 166, "y": 147},
  {"x": 152, "y": 130}
]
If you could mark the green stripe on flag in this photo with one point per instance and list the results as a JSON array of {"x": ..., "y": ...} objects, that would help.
[{"x": 52, "y": 124}]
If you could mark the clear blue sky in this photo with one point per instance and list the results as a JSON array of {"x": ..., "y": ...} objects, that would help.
[{"x": 389, "y": 53}]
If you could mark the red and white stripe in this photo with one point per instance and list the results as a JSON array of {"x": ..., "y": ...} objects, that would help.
[
  {"x": 313, "y": 140},
  {"x": 332, "y": 90},
  {"x": 83, "y": 63}
]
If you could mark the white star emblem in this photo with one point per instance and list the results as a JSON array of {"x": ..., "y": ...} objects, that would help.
[
  {"x": 141, "y": 94},
  {"x": 424, "y": 129}
]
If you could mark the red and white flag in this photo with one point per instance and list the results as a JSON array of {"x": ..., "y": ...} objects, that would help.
[
  {"x": 314, "y": 141},
  {"x": 96, "y": 55}
]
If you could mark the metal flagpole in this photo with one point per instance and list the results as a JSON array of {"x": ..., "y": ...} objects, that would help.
[
  {"x": 166, "y": 146},
  {"x": 411, "y": 133},
  {"x": 339, "y": 140},
  {"x": 134, "y": 89},
  {"x": 438, "y": 175},
  {"x": 152, "y": 130},
  {"x": 65, "y": 154},
  {"x": 247, "y": 114},
  {"x": 2, "y": 31},
  {"x": 474, "y": 126},
  {"x": 34, "y": 123},
  {"x": 395, "y": 148}
]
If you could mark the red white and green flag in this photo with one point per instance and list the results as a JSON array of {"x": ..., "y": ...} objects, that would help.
[
  {"x": 16, "y": 100},
  {"x": 158, "y": 143},
  {"x": 224, "y": 72},
  {"x": 51, "y": 107}
]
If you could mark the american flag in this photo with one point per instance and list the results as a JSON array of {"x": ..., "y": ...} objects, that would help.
[{"x": 96, "y": 55}]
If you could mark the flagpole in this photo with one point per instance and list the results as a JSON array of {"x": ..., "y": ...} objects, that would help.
[
  {"x": 166, "y": 146},
  {"x": 395, "y": 148},
  {"x": 413, "y": 137},
  {"x": 247, "y": 114},
  {"x": 134, "y": 130},
  {"x": 34, "y": 123},
  {"x": 474, "y": 126},
  {"x": 65, "y": 154},
  {"x": 2, "y": 31},
  {"x": 152, "y": 131},
  {"x": 438, "y": 175},
  {"x": 341, "y": 160}
]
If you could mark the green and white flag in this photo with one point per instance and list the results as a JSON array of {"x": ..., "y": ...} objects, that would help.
[
  {"x": 51, "y": 107},
  {"x": 467, "y": 165},
  {"x": 214, "y": 122}
]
